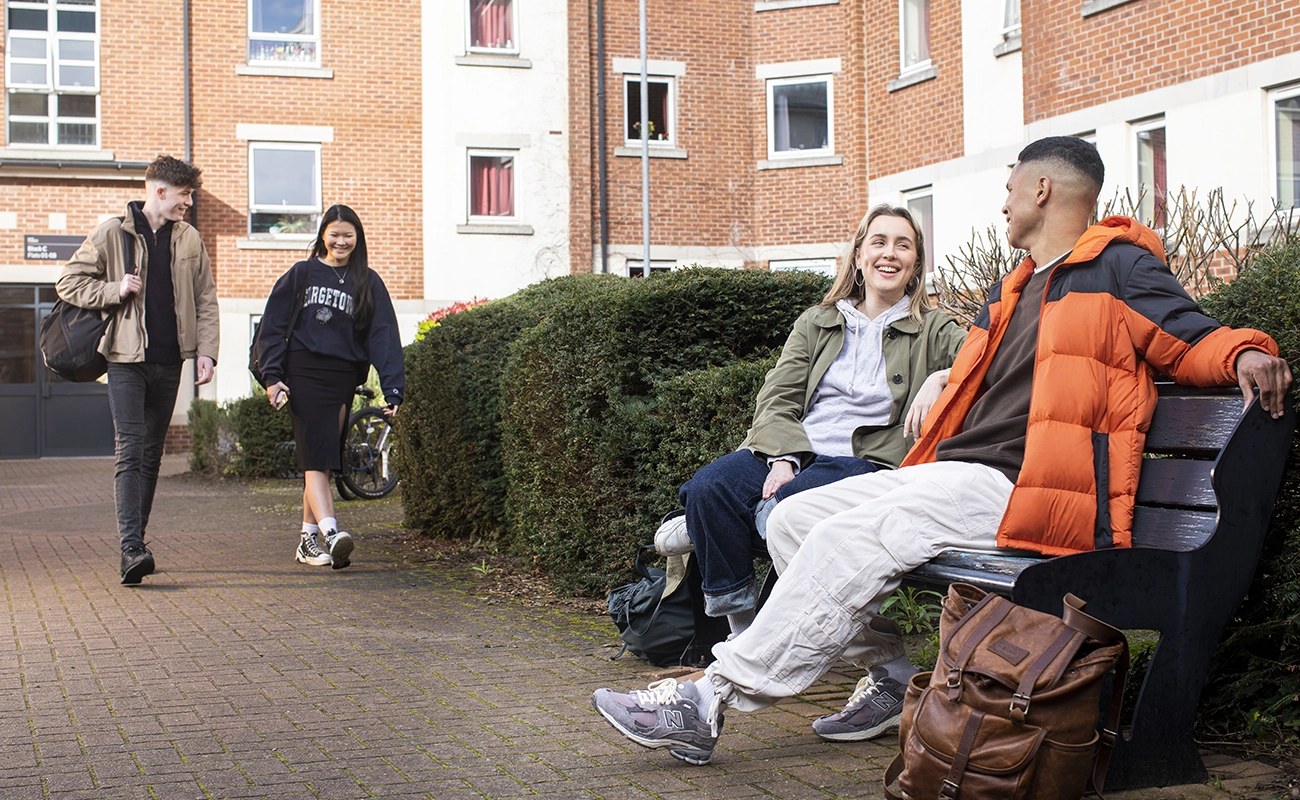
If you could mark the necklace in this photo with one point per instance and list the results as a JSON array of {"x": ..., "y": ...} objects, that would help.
[{"x": 336, "y": 272}]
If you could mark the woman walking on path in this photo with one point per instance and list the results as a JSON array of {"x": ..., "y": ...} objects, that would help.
[
  {"x": 858, "y": 374},
  {"x": 342, "y": 321}
]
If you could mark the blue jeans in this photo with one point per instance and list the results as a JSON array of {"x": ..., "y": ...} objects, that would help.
[
  {"x": 141, "y": 398},
  {"x": 720, "y": 501}
]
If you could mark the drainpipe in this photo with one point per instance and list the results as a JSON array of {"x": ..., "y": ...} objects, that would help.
[
  {"x": 600, "y": 136},
  {"x": 189, "y": 103}
]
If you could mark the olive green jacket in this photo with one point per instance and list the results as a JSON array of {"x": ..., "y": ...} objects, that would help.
[
  {"x": 912, "y": 352},
  {"x": 93, "y": 275}
]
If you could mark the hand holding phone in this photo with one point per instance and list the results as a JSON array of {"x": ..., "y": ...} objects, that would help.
[{"x": 281, "y": 399}]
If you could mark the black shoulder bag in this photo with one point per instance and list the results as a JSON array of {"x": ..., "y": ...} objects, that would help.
[
  {"x": 254, "y": 349},
  {"x": 70, "y": 335}
]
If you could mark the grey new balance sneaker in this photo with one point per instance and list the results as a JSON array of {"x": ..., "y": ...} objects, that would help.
[
  {"x": 875, "y": 706},
  {"x": 339, "y": 543},
  {"x": 309, "y": 552},
  {"x": 667, "y": 714}
]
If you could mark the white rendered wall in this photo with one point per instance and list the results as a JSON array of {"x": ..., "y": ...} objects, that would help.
[
  {"x": 524, "y": 110},
  {"x": 993, "y": 108}
]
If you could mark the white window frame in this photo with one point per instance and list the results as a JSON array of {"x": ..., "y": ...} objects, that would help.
[
  {"x": 825, "y": 266},
  {"x": 632, "y": 83},
  {"x": 51, "y": 89},
  {"x": 634, "y": 266},
  {"x": 1135, "y": 174},
  {"x": 253, "y": 208},
  {"x": 486, "y": 152},
  {"x": 505, "y": 51},
  {"x": 314, "y": 38},
  {"x": 829, "y": 149},
  {"x": 903, "y": 67},
  {"x": 1010, "y": 31},
  {"x": 1275, "y": 178},
  {"x": 931, "y": 253}
]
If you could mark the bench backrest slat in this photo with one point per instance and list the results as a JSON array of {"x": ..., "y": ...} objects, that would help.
[
  {"x": 1193, "y": 425},
  {"x": 1175, "y": 529},
  {"x": 1177, "y": 482}
]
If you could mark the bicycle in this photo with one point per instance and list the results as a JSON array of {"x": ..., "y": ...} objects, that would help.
[{"x": 368, "y": 470}]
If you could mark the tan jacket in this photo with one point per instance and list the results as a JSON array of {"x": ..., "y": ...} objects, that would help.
[
  {"x": 912, "y": 351},
  {"x": 93, "y": 276}
]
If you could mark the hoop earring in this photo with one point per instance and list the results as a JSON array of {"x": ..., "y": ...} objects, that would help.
[{"x": 912, "y": 285}]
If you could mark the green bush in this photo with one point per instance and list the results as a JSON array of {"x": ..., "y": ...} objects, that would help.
[
  {"x": 582, "y": 388},
  {"x": 449, "y": 438},
  {"x": 1256, "y": 673},
  {"x": 204, "y": 419},
  {"x": 258, "y": 427}
]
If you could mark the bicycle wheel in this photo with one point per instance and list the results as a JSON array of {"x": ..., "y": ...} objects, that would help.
[{"x": 368, "y": 468}]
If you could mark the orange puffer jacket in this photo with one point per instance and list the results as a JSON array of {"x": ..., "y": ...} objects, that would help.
[{"x": 1112, "y": 316}]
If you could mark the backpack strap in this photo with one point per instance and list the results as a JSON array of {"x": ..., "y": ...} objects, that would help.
[
  {"x": 128, "y": 249},
  {"x": 1075, "y": 617},
  {"x": 300, "y": 295},
  {"x": 1000, "y": 609}
]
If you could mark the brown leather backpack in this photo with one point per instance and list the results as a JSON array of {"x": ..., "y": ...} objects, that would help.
[{"x": 1011, "y": 709}]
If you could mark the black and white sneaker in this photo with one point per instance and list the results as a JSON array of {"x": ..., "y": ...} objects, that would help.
[
  {"x": 875, "y": 706},
  {"x": 309, "y": 552},
  {"x": 340, "y": 546}
]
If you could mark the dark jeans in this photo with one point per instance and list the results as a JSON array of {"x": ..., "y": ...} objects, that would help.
[
  {"x": 141, "y": 397},
  {"x": 720, "y": 501}
]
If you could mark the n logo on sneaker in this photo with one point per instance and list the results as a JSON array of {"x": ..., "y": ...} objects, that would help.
[
  {"x": 673, "y": 719},
  {"x": 884, "y": 701}
]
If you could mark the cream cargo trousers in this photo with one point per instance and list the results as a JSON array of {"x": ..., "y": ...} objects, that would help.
[{"x": 840, "y": 550}]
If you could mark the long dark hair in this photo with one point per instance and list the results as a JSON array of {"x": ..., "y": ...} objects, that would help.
[{"x": 365, "y": 303}]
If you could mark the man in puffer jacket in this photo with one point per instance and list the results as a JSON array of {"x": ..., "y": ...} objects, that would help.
[{"x": 1035, "y": 444}]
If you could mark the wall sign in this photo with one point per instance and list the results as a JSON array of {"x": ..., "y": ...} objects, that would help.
[{"x": 47, "y": 247}]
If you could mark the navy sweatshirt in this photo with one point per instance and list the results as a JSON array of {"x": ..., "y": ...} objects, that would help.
[{"x": 325, "y": 327}]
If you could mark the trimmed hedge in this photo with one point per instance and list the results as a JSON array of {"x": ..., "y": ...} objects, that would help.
[
  {"x": 1255, "y": 679},
  {"x": 238, "y": 438},
  {"x": 449, "y": 439},
  {"x": 584, "y": 462}
]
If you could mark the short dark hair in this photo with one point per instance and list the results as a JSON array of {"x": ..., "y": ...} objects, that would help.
[
  {"x": 1070, "y": 151},
  {"x": 174, "y": 172}
]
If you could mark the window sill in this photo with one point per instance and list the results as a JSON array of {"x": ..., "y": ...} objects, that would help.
[
  {"x": 777, "y": 5},
  {"x": 655, "y": 152},
  {"x": 268, "y": 70},
  {"x": 274, "y": 244},
  {"x": 493, "y": 60},
  {"x": 1091, "y": 7},
  {"x": 794, "y": 163},
  {"x": 912, "y": 78},
  {"x": 1011, "y": 45},
  {"x": 54, "y": 153},
  {"x": 498, "y": 229}
]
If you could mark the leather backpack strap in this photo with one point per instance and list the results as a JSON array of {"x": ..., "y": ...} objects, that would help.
[
  {"x": 999, "y": 609},
  {"x": 891, "y": 774},
  {"x": 951, "y": 785},
  {"x": 1076, "y": 618},
  {"x": 1068, "y": 638}
]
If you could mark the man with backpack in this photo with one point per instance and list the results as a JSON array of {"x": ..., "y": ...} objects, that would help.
[
  {"x": 147, "y": 270},
  {"x": 1074, "y": 333}
]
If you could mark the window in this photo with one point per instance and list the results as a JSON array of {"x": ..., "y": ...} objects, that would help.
[
  {"x": 1010, "y": 19},
  {"x": 825, "y": 266},
  {"x": 284, "y": 32},
  {"x": 491, "y": 185},
  {"x": 1151, "y": 178},
  {"x": 914, "y": 33},
  {"x": 636, "y": 267},
  {"x": 799, "y": 117},
  {"x": 663, "y": 109},
  {"x": 1286, "y": 145},
  {"x": 492, "y": 27},
  {"x": 283, "y": 189},
  {"x": 52, "y": 72},
  {"x": 920, "y": 204}
]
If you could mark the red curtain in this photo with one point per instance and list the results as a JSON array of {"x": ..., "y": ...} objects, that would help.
[
  {"x": 492, "y": 187},
  {"x": 489, "y": 23}
]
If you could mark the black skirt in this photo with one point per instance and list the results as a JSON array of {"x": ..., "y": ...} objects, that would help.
[{"x": 320, "y": 393}]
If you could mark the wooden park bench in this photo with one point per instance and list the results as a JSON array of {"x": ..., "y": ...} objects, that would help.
[
  {"x": 1204, "y": 500},
  {"x": 1203, "y": 504}
]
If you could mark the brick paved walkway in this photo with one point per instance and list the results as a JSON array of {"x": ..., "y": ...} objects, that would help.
[{"x": 236, "y": 673}]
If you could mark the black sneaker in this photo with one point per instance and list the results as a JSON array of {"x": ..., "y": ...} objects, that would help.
[
  {"x": 875, "y": 706},
  {"x": 339, "y": 544},
  {"x": 137, "y": 562}
]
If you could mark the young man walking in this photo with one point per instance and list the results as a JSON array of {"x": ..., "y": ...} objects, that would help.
[
  {"x": 1074, "y": 333},
  {"x": 162, "y": 304}
]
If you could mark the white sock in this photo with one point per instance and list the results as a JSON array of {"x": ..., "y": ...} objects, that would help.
[
  {"x": 329, "y": 525},
  {"x": 741, "y": 620},
  {"x": 709, "y": 701},
  {"x": 900, "y": 669},
  {"x": 308, "y": 529}
]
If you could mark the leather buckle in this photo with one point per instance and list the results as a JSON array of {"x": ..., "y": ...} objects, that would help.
[
  {"x": 1019, "y": 707},
  {"x": 1108, "y": 737},
  {"x": 954, "y": 678},
  {"x": 948, "y": 790}
]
